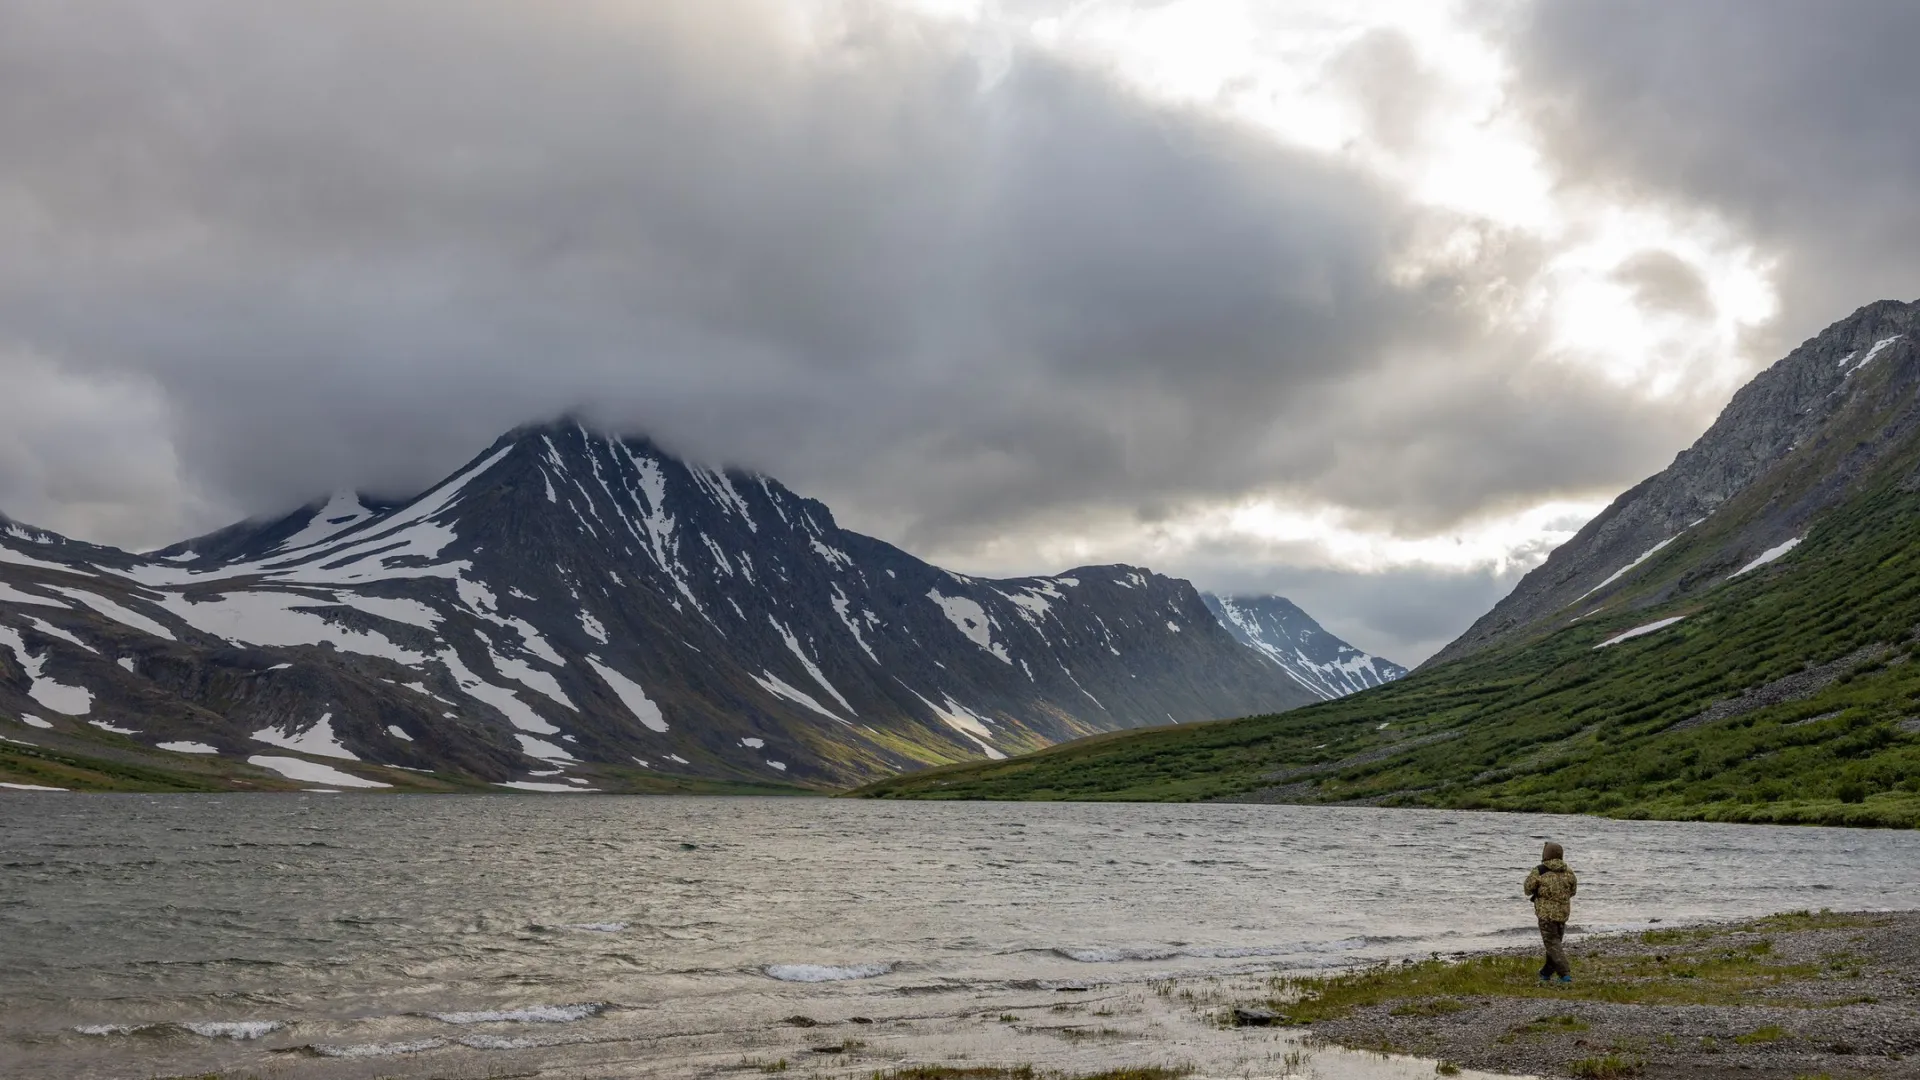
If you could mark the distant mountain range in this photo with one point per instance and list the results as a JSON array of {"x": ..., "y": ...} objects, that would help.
[
  {"x": 1277, "y": 629},
  {"x": 575, "y": 611},
  {"x": 1733, "y": 639}
]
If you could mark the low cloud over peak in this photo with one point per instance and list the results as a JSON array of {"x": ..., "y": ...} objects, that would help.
[{"x": 978, "y": 286}]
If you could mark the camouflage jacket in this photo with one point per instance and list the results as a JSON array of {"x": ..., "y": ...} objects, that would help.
[{"x": 1551, "y": 887}]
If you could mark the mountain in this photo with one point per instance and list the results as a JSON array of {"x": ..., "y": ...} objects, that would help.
[
  {"x": 1277, "y": 629},
  {"x": 1793, "y": 443},
  {"x": 571, "y": 610},
  {"x": 1732, "y": 639}
]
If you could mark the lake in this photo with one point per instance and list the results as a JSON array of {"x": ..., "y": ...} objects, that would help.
[{"x": 353, "y": 935}]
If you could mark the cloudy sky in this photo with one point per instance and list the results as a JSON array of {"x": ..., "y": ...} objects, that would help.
[{"x": 1367, "y": 303}]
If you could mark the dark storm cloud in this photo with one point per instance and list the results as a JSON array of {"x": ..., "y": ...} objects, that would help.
[
  {"x": 1794, "y": 121},
  {"x": 950, "y": 286}
]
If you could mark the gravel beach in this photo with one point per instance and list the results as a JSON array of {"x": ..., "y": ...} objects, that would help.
[{"x": 1827, "y": 995}]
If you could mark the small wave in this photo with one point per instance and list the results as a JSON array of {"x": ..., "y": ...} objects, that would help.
[
  {"x": 208, "y": 1029},
  {"x": 1119, "y": 954},
  {"x": 813, "y": 973},
  {"x": 535, "y": 1014},
  {"x": 501, "y": 1042},
  {"x": 114, "y": 1029},
  {"x": 1114, "y": 954},
  {"x": 373, "y": 1050},
  {"x": 235, "y": 1029}
]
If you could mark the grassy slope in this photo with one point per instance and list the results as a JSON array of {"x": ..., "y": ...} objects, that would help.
[{"x": 1554, "y": 725}]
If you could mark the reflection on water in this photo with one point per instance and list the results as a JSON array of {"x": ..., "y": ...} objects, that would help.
[{"x": 149, "y": 934}]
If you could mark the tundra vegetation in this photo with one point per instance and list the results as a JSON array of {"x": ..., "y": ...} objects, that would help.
[{"x": 1554, "y": 724}]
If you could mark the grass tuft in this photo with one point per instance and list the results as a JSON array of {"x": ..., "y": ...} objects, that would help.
[{"x": 1611, "y": 1067}]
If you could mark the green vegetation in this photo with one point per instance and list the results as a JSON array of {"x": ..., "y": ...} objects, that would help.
[
  {"x": 1722, "y": 977},
  {"x": 1611, "y": 1067},
  {"x": 22, "y": 764},
  {"x": 1554, "y": 725},
  {"x": 1550, "y": 1025},
  {"x": 1716, "y": 965}
]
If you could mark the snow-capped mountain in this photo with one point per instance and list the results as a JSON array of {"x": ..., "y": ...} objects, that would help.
[
  {"x": 1277, "y": 629},
  {"x": 594, "y": 610}
]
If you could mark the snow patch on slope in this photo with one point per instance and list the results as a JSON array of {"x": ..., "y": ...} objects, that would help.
[
  {"x": 318, "y": 740},
  {"x": 793, "y": 645},
  {"x": 841, "y": 606},
  {"x": 632, "y": 695},
  {"x": 1622, "y": 572},
  {"x": 963, "y": 720},
  {"x": 70, "y": 700},
  {"x": 773, "y": 684},
  {"x": 188, "y": 747},
  {"x": 11, "y": 595},
  {"x": 342, "y": 512},
  {"x": 972, "y": 620},
  {"x": 267, "y": 617},
  {"x": 53, "y": 631},
  {"x": 118, "y": 613},
  {"x": 1877, "y": 348},
  {"x": 1639, "y": 631},
  {"x": 311, "y": 772},
  {"x": 1769, "y": 555}
]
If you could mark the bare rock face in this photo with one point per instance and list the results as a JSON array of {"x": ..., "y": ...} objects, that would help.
[
  {"x": 570, "y": 599},
  {"x": 1790, "y": 444}
]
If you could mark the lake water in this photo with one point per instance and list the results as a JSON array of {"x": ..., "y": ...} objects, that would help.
[{"x": 343, "y": 935}]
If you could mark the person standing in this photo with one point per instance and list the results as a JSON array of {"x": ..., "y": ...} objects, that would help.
[{"x": 1551, "y": 887}]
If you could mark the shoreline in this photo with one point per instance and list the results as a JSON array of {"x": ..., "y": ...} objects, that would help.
[{"x": 1798, "y": 995}]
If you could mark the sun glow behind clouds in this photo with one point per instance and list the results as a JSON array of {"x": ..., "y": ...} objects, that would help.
[
  {"x": 1501, "y": 543},
  {"x": 1418, "y": 93},
  {"x": 1268, "y": 531}
]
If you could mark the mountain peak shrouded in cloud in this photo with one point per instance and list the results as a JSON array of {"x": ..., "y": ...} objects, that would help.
[{"x": 1200, "y": 285}]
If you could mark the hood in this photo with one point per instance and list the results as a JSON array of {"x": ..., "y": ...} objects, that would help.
[{"x": 1554, "y": 866}]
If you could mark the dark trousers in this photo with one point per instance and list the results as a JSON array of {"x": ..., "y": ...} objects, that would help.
[{"x": 1551, "y": 933}]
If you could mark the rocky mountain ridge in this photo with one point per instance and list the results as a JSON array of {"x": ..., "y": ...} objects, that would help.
[
  {"x": 575, "y": 611},
  {"x": 1276, "y": 628},
  {"x": 1792, "y": 443}
]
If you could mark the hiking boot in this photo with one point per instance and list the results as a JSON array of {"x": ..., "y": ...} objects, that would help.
[{"x": 1566, "y": 980}]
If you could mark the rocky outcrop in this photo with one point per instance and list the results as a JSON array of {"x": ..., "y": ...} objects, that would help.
[{"x": 1793, "y": 442}]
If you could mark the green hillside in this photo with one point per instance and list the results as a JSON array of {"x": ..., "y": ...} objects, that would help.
[{"x": 1822, "y": 637}]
